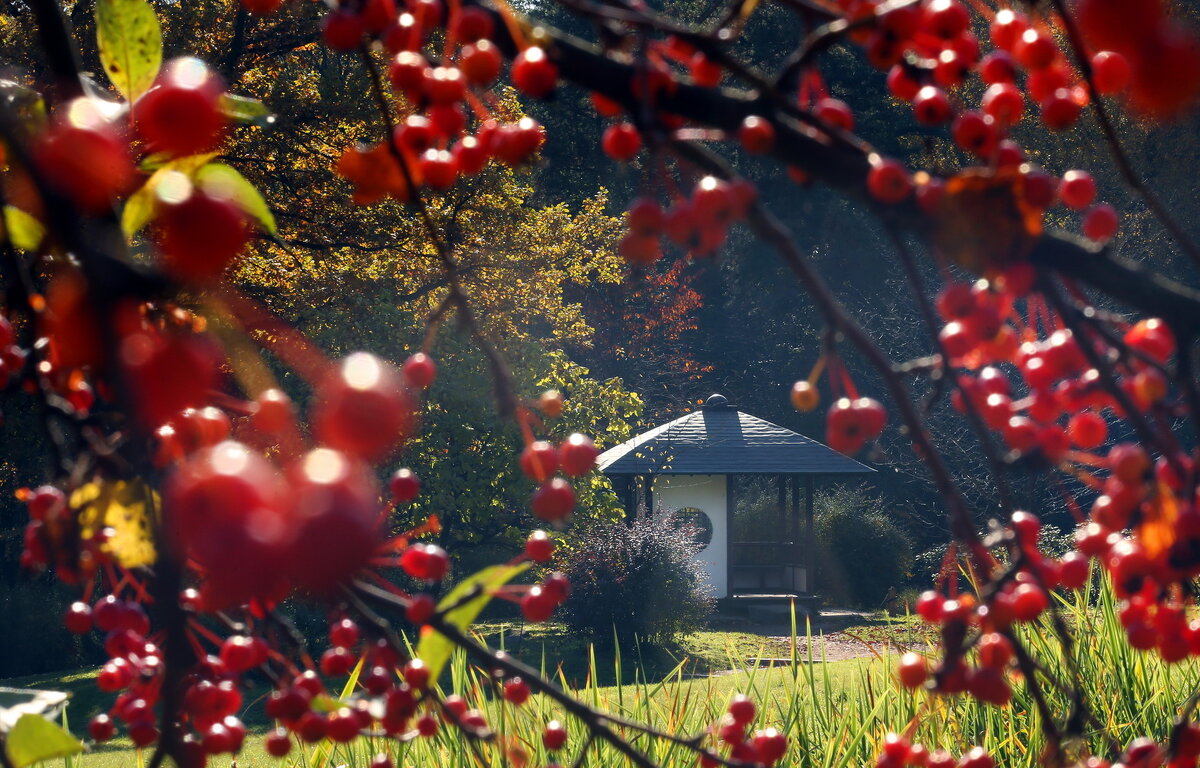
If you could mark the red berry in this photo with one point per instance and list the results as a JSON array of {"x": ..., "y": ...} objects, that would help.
[
  {"x": 78, "y": 619},
  {"x": 1111, "y": 72},
  {"x": 554, "y": 736},
  {"x": 889, "y": 182},
  {"x": 913, "y": 670},
  {"x": 539, "y": 460},
  {"x": 537, "y": 605},
  {"x": 1061, "y": 110},
  {"x": 577, "y": 455},
  {"x": 404, "y": 486},
  {"x": 901, "y": 84},
  {"x": 419, "y": 370},
  {"x": 181, "y": 114},
  {"x": 101, "y": 728},
  {"x": 1077, "y": 189},
  {"x": 533, "y": 73},
  {"x": 742, "y": 709},
  {"x": 1036, "y": 50},
  {"x": 621, "y": 142},
  {"x": 344, "y": 634},
  {"x": 480, "y": 62},
  {"x": 343, "y": 29},
  {"x": 976, "y": 133},
  {"x": 1007, "y": 27},
  {"x": 516, "y": 691},
  {"x": 553, "y": 500},
  {"x": 364, "y": 408},
  {"x": 930, "y": 106},
  {"x": 946, "y": 19},
  {"x": 756, "y": 135},
  {"x": 470, "y": 24},
  {"x": 1100, "y": 223},
  {"x": 278, "y": 743},
  {"x": 201, "y": 233},
  {"x": 1004, "y": 103},
  {"x": 337, "y": 662},
  {"x": 336, "y": 500},
  {"x": 420, "y": 609},
  {"x": 427, "y": 562},
  {"x": 997, "y": 67},
  {"x": 539, "y": 547},
  {"x": 835, "y": 112},
  {"x": 83, "y": 156}
]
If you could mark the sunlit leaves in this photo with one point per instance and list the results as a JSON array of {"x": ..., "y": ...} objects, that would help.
[{"x": 126, "y": 509}]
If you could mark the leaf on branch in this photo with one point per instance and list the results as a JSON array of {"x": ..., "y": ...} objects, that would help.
[
  {"x": 434, "y": 648},
  {"x": 130, "y": 42},
  {"x": 121, "y": 506},
  {"x": 246, "y": 111},
  {"x": 34, "y": 739},
  {"x": 139, "y": 208},
  {"x": 23, "y": 231},
  {"x": 235, "y": 186},
  {"x": 983, "y": 222}
]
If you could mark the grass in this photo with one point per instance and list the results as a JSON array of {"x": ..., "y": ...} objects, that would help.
[{"x": 835, "y": 714}]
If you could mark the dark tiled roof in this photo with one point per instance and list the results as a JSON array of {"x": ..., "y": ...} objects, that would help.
[{"x": 718, "y": 439}]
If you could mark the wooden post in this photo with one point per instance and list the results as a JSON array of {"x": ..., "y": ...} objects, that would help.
[
  {"x": 793, "y": 531},
  {"x": 810, "y": 537},
  {"x": 730, "y": 500},
  {"x": 782, "y": 511}
]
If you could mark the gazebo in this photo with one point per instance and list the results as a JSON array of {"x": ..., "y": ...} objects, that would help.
[{"x": 693, "y": 464}]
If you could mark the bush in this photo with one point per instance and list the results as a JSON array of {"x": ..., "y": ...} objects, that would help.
[
  {"x": 641, "y": 578},
  {"x": 861, "y": 551}
]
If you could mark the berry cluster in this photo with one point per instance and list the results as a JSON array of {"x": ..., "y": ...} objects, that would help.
[
  {"x": 899, "y": 752},
  {"x": 765, "y": 746},
  {"x": 555, "y": 498},
  {"x": 430, "y": 147}
]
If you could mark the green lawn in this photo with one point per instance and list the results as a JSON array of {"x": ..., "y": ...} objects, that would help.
[{"x": 688, "y": 700}]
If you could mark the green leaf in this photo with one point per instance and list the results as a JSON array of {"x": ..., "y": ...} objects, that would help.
[
  {"x": 435, "y": 649},
  {"x": 139, "y": 208},
  {"x": 236, "y": 186},
  {"x": 130, "y": 43},
  {"x": 24, "y": 231},
  {"x": 247, "y": 111},
  {"x": 34, "y": 739}
]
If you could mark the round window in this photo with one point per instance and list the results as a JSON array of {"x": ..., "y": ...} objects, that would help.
[{"x": 700, "y": 523}]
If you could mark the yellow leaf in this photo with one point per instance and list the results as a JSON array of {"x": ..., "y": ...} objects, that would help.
[{"x": 121, "y": 506}]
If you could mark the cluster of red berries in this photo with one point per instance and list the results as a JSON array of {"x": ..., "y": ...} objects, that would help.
[
  {"x": 1022, "y": 598},
  {"x": 697, "y": 224},
  {"x": 541, "y": 600},
  {"x": 931, "y": 52},
  {"x": 134, "y": 668},
  {"x": 899, "y": 752},
  {"x": 852, "y": 423},
  {"x": 1061, "y": 400},
  {"x": 555, "y": 498},
  {"x": 257, "y": 532},
  {"x": 765, "y": 746},
  {"x": 1162, "y": 59},
  {"x": 89, "y": 150},
  {"x": 431, "y": 147}
]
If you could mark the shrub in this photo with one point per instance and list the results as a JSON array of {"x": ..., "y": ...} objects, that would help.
[
  {"x": 641, "y": 578},
  {"x": 861, "y": 550}
]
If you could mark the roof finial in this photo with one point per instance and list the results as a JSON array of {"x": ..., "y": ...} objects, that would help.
[{"x": 715, "y": 402}]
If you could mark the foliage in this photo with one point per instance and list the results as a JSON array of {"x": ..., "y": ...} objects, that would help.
[
  {"x": 632, "y": 579},
  {"x": 862, "y": 552}
]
